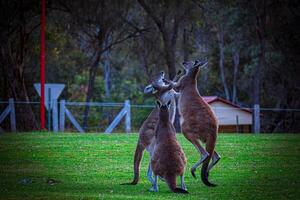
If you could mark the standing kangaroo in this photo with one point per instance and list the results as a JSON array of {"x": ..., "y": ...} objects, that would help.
[
  {"x": 197, "y": 120},
  {"x": 163, "y": 93},
  {"x": 168, "y": 160}
]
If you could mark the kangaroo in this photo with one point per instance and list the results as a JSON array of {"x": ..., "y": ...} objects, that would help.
[
  {"x": 163, "y": 93},
  {"x": 168, "y": 159},
  {"x": 197, "y": 120}
]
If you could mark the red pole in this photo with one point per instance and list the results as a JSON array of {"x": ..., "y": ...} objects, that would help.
[{"x": 42, "y": 64}]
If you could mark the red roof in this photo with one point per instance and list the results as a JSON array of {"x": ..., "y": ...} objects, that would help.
[{"x": 211, "y": 99}]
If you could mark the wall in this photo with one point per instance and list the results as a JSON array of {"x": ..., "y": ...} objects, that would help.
[{"x": 226, "y": 114}]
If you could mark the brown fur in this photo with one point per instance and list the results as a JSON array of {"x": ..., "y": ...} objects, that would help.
[
  {"x": 146, "y": 136},
  {"x": 198, "y": 121},
  {"x": 147, "y": 130},
  {"x": 168, "y": 160}
]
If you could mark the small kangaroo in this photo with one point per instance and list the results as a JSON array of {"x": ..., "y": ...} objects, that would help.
[
  {"x": 168, "y": 159},
  {"x": 197, "y": 120},
  {"x": 163, "y": 93}
]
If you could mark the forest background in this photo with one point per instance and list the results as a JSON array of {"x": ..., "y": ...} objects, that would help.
[{"x": 108, "y": 51}]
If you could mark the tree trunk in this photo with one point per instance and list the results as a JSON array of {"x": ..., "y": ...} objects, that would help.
[
  {"x": 185, "y": 45},
  {"x": 185, "y": 58},
  {"x": 93, "y": 72},
  {"x": 142, "y": 52},
  {"x": 257, "y": 75},
  {"x": 220, "y": 36},
  {"x": 169, "y": 47},
  {"x": 260, "y": 31},
  {"x": 92, "y": 76},
  {"x": 13, "y": 44},
  {"x": 17, "y": 89},
  {"x": 236, "y": 62},
  {"x": 169, "y": 35},
  {"x": 107, "y": 81}
]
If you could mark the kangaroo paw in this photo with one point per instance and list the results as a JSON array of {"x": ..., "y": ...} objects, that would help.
[
  {"x": 193, "y": 172},
  {"x": 153, "y": 189},
  {"x": 202, "y": 159}
]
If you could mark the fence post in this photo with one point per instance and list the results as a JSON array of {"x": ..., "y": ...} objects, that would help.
[
  {"x": 237, "y": 124},
  {"x": 256, "y": 118},
  {"x": 12, "y": 115},
  {"x": 49, "y": 109},
  {"x": 127, "y": 117},
  {"x": 54, "y": 115},
  {"x": 62, "y": 111}
]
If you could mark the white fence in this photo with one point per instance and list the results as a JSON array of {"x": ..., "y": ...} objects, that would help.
[
  {"x": 67, "y": 116},
  {"x": 60, "y": 113},
  {"x": 9, "y": 110}
]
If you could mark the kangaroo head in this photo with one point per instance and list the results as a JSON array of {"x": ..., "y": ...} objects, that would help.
[
  {"x": 160, "y": 89},
  {"x": 187, "y": 65},
  {"x": 156, "y": 84},
  {"x": 194, "y": 66},
  {"x": 191, "y": 69},
  {"x": 163, "y": 110}
]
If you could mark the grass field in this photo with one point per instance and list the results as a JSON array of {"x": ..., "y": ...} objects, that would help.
[{"x": 92, "y": 166}]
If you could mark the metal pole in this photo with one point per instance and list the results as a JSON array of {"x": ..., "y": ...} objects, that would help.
[
  {"x": 42, "y": 64},
  {"x": 256, "y": 119}
]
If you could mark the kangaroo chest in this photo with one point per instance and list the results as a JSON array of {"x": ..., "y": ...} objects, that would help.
[{"x": 180, "y": 109}]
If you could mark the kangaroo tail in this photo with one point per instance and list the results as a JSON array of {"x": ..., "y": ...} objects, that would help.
[
  {"x": 210, "y": 146},
  {"x": 171, "y": 181},
  {"x": 136, "y": 164}
]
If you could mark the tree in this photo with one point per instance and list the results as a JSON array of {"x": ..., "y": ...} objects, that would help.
[
  {"x": 167, "y": 23},
  {"x": 109, "y": 50},
  {"x": 18, "y": 21},
  {"x": 95, "y": 22},
  {"x": 215, "y": 17}
]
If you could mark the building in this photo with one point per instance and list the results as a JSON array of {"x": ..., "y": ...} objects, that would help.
[{"x": 232, "y": 118}]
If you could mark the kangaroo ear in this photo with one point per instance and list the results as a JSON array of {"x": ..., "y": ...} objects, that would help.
[
  {"x": 179, "y": 72},
  {"x": 169, "y": 104},
  {"x": 162, "y": 74},
  {"x": 158, "y": 104}
]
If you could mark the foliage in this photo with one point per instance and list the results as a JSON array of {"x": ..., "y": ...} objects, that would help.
[{"x": 110, "y": 50}]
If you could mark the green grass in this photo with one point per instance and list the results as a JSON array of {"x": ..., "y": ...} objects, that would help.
[{"x": 92, "y": 166}]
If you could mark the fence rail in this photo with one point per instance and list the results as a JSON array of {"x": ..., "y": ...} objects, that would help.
[
  {"x": 9, "y": 110},
  {"x": 65, "y": 110}
]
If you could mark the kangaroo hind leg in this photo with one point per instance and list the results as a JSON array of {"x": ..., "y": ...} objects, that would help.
[
  {"x": 150, "y": 149},
  {"x": 149, "y": 172},
  {"x": 215, "y": 159},
  {"x": 204, "y": 156},
  {"x": 182, "y": 183},
  {"x": 154, "y": 187}
]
